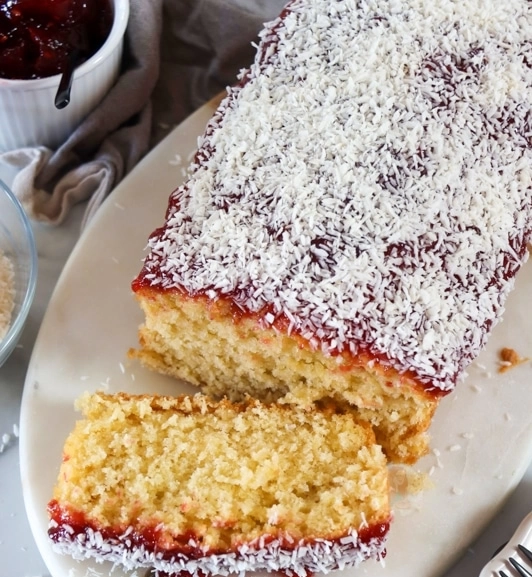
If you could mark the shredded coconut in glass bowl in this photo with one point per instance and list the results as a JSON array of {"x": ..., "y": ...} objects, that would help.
[{"x": 7, "y": 293}]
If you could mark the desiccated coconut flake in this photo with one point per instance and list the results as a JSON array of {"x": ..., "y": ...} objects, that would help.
[{"x": 176, "y": 161}]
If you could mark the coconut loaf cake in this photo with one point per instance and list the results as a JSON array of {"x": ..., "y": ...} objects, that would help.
[{"x": 356, "y": 213}]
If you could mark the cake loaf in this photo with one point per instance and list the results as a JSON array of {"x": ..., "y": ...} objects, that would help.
[
  {"x": 189, "y": 485},
  {"x": 355, "y": 215}
]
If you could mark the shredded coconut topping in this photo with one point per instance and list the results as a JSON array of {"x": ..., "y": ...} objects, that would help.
[
  {"x": 369, "y": 180},
  {"x": 320, "y": 556}
]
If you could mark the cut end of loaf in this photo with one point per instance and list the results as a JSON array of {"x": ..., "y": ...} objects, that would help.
[{"x": 206, "y": 344}]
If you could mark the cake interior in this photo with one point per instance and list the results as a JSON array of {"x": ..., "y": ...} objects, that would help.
[
  {"x": 220, "y": 474},
  {"x": 203, "y": 342}
]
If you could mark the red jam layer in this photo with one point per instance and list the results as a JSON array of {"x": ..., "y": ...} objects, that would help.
[
  {"x": 71, "y": 523},
  {"x": 364, "y": 358}
]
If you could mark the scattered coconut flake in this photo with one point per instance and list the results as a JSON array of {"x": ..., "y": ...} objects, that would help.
[
  {"x": 454, "y": 448},
  {"x": 176, "y": 161},
  {"x": 321, "y": 555},
  {"x": 105, "y": 384},
  {"x": 483, "y": 369},
  {"x": 8, "y": 439},
  {"x": 437, "y": 453}
]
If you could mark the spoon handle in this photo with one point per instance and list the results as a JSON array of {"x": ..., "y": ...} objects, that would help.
[{"x": 62, "y": 97}]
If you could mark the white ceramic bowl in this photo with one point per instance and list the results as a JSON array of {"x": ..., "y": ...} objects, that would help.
[
  {"x": 28, "y": 116},
  {"x": 18, "y": 246}
]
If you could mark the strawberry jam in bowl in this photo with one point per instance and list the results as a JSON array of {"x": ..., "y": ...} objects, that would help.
[
  {"x": 39, "y": 41},
  {"x": 38, "y": 37}
]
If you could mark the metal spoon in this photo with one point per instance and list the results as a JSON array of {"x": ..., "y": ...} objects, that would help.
[{"x": 62, "y": 97}]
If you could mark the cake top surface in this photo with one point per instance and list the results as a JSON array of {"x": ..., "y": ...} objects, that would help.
[{"x": 370, "y": 180}]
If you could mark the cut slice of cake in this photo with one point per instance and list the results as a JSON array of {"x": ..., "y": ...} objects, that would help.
[
  {"x": 356, "y": 213},
  {"x": 188, "y": 484}
]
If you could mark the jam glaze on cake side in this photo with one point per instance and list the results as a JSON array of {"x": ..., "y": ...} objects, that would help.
[
  {"x": 133, "y": 547},
  {"x": 363, "y": 194}
]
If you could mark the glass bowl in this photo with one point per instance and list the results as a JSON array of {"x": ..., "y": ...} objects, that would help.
[{"x": 17, "y": 245}]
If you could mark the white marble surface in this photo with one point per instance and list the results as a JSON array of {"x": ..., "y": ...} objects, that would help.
[{"x": 18, "y": 554}]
